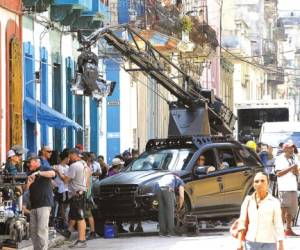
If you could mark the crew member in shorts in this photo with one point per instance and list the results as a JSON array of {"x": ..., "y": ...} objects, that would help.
[{"x": 287, "y": 171}]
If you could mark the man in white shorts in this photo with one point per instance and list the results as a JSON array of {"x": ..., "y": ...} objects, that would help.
[{"x": 287, "y": 171}]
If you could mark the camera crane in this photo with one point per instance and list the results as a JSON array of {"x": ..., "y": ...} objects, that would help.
[{"x": 196, "y": 112}]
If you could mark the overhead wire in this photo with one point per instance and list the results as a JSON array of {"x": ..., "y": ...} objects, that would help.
[
  {"x": 259, "y": 65},
  {"x": 158, "y": 92}
]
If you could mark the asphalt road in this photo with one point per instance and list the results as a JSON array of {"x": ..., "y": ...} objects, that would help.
[{"x": 215, "y": 239}]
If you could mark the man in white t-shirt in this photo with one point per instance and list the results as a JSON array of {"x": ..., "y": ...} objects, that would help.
[{"x": 287, "y": 171}]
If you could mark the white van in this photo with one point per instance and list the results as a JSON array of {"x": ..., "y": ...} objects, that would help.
[{"x": 273, "y": 133}]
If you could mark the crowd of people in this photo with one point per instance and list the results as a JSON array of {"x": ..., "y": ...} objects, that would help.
[
  {"x": 58, "y": 190},
  {"x": 264, "y": 219}
]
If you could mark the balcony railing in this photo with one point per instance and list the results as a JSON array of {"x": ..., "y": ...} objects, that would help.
[
  {"x": 36, "y": 5},
  {"x": 276, "y": 77},
  {"x": 92, "y": 18}
]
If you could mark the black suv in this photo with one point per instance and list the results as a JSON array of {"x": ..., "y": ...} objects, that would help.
[{"x": 215, "y": 190}]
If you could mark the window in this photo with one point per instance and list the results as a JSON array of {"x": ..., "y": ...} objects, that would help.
[
  {"x": 168, "y": 159},
  {"x": 249, "y": 157},
  {"x": 226, "y": 158},
  {"x": 210, "y": 159}
]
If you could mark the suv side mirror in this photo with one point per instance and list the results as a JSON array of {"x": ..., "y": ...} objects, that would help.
[{"x": 201, "y": 170}]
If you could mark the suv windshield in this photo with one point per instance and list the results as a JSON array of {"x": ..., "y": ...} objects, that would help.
[
  {"x": 274, "y": 139},
  {"x": 168, "y": 159}
]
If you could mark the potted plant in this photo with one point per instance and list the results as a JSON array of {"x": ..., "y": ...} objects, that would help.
[{"x": 186, "y": 27}]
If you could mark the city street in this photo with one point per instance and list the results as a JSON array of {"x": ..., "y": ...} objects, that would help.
[
  {"x": 212, "y": 240},
  {"x": 118, "y": 111}
]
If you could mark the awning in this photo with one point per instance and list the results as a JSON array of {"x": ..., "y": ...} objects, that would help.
[{"x": 46, "y": 115}]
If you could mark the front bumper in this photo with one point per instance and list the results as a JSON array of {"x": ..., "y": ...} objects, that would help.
[{"x": 127, "y": 208}]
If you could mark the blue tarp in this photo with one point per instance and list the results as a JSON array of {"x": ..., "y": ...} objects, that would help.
[{"x": 46, "y": 115}]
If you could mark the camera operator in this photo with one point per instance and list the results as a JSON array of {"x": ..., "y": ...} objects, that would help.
[
  {"x": 41, "y": 200},
  {"x": 14, "y": 160}
]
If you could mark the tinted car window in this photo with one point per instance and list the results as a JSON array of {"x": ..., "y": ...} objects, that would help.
[
  {"x": 168, "y": 159},
  {"x": 226, "y": 158},
  {"x": 184, "y": 157},
  {"x": 249, "y": 157}
]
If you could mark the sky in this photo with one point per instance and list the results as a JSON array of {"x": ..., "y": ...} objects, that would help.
[{"x": 287, "y": 6}]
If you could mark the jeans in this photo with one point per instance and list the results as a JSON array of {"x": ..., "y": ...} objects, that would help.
[
  {"x": 166, "y": 199},
  {"x": 249, "y": 245},
  {"x": 39, "y": 219}
]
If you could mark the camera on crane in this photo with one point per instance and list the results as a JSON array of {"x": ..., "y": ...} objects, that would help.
[{"x": 88, "y": 81}]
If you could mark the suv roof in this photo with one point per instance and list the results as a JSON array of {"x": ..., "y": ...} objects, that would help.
[{"x": 197, "y": 142}]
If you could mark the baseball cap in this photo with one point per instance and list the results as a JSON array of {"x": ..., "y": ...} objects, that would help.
[
  {"x": 288, "y": 144},
  {"x": 75, "y": 151},
  {"x": 18, "y": 149},
  {"x": 32, "y": 156},
  {"x": 116, "y": 161},
  {"x": 10, "y": 153},
  {"x": 126, "y": 153},
  {"x": 46, "y": 148}
]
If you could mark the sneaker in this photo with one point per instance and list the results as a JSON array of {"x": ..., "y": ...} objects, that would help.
[
  {"x": 139, "y": 229},
  {"x": 78, "y": 244},
  {"x": 171, "y": 235},
  {"x": 122, "y": 230},
  {"x": 67, "y": 234},
  {"x": 131, "y": 228},
  {"x": 289, "y": 232},
  {"x": 92, "y": 236},
  {"x": 162, "y": 235}
]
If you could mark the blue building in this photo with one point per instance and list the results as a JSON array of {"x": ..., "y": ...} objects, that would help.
[{"x": 52, "y": 115}]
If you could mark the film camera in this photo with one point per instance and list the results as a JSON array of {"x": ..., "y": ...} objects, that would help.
[{"x": 12, "y": 222}]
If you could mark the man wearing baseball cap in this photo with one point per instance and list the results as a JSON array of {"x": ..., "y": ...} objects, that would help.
[
  {"x": 76, "y": 177},
  {"x": 14, "y": 159},
  {"x": 116, "y": 166},
  {"x": 41, "y": 200},
  {"x": 287, "y": 171},
  {"x": 46, "y": 152}
]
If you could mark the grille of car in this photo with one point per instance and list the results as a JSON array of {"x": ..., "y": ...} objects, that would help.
[
  {"x": 118, "y": 200},
  {"x": 118, "y": 190}
]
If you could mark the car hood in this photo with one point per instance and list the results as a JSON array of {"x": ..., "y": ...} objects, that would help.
[{"x": 134, "y": 177}]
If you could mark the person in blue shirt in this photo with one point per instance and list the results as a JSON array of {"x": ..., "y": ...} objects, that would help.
[
  {"x": 45, "y": 155},
  {"x": 166, "y": 188}
]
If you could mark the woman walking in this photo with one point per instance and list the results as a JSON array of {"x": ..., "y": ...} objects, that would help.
[{"x": 261, "y": 213}]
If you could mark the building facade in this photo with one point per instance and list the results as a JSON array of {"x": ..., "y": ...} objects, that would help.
[
  {"x": 52, "y": 114},
  {"x": 10, "y": 75},
  {"x": 289, "y": 58}
]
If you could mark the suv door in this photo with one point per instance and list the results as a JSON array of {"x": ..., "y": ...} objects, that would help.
[
  {"x": 206, "y": 190},
  {"x": 237, "y": 175}
]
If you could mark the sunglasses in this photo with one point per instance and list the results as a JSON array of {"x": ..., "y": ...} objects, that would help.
[
  {"x": 49, "y": 151},
  {"x": 258, "y": 181}
]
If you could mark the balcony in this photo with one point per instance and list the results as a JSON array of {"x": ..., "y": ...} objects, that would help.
[
  {"x": 36, "y": 5},
  {"x": 279, "y": 34},
  {"x": 168, "y": 20},
  {"x": 276, "y": 77},
  {"x": 269, "y": 52},
  {"x": 67, "y": 11},
  {"x": 269, "y": 58},
  {"x": 93, "y": 17}
]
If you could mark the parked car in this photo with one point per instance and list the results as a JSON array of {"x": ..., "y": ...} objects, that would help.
[{"x": 130, "y": 195}]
